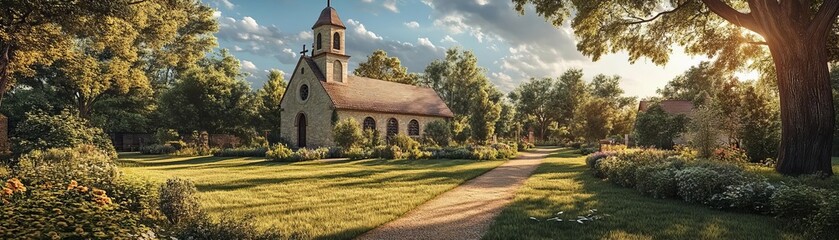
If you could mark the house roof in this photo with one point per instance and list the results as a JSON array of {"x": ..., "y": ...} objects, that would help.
[
  {"x": 373, "y": 95},
  {"x": 329, "y": 16},
  {"x": 674, "y": 107}
]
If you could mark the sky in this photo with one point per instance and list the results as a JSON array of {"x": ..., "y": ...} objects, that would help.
[{"x": 511, "y": 47}]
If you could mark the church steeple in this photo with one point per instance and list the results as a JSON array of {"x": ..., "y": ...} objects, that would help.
[{"x": 329, "y": 48}]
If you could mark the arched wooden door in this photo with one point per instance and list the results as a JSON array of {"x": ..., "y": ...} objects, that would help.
[{"x": 301, "y": 130}]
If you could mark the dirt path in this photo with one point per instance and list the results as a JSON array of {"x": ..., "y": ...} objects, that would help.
[{"x": 466, "y": 211}]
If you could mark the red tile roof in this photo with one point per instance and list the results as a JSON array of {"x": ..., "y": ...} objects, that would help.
[
  {"x": 670, "y": 106},
  {"x": 366, "y": 94},
  {"x": 329, "y": 16}
]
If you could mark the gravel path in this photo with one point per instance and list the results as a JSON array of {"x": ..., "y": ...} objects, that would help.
[{"x": 466, "y": 211}]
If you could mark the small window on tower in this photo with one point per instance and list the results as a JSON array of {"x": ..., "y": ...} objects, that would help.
[
  {"x": 319, "y": 42},
  {"x": 336, "y": 41}
]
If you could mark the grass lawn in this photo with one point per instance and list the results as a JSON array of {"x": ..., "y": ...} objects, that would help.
[
  {"x": 337, "y": 200},
  {"x": 563, "y": 183}
]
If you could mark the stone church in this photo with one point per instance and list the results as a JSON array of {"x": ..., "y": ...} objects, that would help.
[{"x": 321, "y": 92}]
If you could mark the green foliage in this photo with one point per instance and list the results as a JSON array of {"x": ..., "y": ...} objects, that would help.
[
  {"x": 657, "y": 128},
  {"x": 279, "y": 152},
  {"x": 227, "y": 227},
  {"x": 796, "y": 202},
  {"x": 698, "y": 184},
  {"x": 166, "y": 135},
  {"x": 730, "y": 155},
  {"x": 761, "y": 124},
  {"x": 372, "y": 138},
  {"x": 404, "y": 142},
  {"x": 380, "y": 66},
  {"x": 178, "y": 201},
  {"x": 213, "y": 97},
  {"x": 753, "y": 196},
  {"x": 704, "y": 129},
  {"x": 347, "y": 134},
  {"x": 357, "y": 153},
  {"x": 41, "y": 131},
  {"x": 158, "y": 149},
  {"x": 242, "y": 152},
  {"x": 269, "y": 97},
  {"x": 462, "y": 84},
  {"x": 658, "y": 180},
  {"x": 825, "y": 224},
  {"x": 438, "y": 131},
  {"x": 596, "y": 118},
  {"x": 697, "y": 84},
  {"x": 84, "y": 163}
]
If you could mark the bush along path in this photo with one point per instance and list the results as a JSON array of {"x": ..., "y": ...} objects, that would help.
[{"x": 466, "y": 211}]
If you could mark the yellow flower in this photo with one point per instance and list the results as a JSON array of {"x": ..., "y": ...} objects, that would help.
[{"x": 98, "y": 192}]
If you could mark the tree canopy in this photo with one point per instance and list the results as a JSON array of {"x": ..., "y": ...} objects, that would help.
[{"x": 380, "y": 66}]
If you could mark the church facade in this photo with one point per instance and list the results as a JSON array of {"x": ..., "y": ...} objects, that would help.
[{"x": 321, "y": 92}]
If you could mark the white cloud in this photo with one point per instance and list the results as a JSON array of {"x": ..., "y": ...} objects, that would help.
[
  {"x": 216, "y": 14},
  {"x": 412, "y": 24},
  {"x": 367, "y": 1},
  {"x": 426, "y": 43},
  {"x": 248, "y": 65},
  {"x": 391, "y": 5},
  {"x": 482, "y": 2},
  {"x": 448, "y": 39},
  {"x": 225, "y": 3},
  {"x": 362, "y": 31}
]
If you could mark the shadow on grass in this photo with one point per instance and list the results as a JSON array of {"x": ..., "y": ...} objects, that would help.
[{"x": 567, "y": 185}]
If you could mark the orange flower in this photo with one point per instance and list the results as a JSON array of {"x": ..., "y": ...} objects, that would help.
[
  {"x": 7, "y": 191},
  {"x": 98, "y": 192},
  {"x": 15, "y": 185},
  {"x": 73, "y": 184}
]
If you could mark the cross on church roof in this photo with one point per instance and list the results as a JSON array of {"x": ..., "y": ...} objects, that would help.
[
  {"x": 303, "y": 53},
  {"x": 328, "y": 3}
]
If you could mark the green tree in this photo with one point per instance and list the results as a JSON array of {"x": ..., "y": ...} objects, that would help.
[
  {"x": 704, "y": 130},
  {"x": 269, "y": 108},
  {"x": 696, "y": 84},
  {"x": 657, "y": 128},
  {"x": 535, "y": 102},
  {"x": 43, "y": 131},
  {"x": 596, "y": 118},
  {"x": 438, "y": 131},
  {"x": 347, "y": 134},
  {"x": 727, "y": 103},
  {"x": 761, "y": 124},
  {"x": 571, "y": 93},
  {"x": 609, "y": 88},
  {"x": 465, "y": 88},
  {"x": 506, "y": 125},
  {"x": 796, "y": 34},
  {"x": 380, "y": 66},
  {"x": 213, "y": 97}
]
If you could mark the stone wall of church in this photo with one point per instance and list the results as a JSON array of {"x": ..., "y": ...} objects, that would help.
[
  {"x": 382, "y": 118},
  {"x": 317, "y": 109}
]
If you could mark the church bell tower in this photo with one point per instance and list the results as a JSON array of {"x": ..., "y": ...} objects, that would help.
[{"x": 329, "y": 51}]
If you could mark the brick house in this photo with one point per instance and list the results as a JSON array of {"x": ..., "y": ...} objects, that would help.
[{"x": 320, "y": 92}]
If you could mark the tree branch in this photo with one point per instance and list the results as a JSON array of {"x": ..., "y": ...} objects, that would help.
[
  {"x": 641, "y": 20},
  {"x": 733, "y": 16},
  {"x": 824, "y": 18}
]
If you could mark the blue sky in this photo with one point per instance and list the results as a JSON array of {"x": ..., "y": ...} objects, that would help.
[{"x": 511, "y": 47}]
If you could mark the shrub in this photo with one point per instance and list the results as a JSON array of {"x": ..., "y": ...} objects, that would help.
[
  {"x": 730, "y": 155},
  {"x": 372, "y": 138},
  {"x": 335, "y": 152},
  {"x": 279, "y": 152},
  {"x": 796, "y": 201},
  {"x": 753, "y": 195},
  {"x": 242, "y": 152},
  {"x": 166, "y": 135},
  {"x": 825, "y": 224},
  {"x": 619, "y": 170},
  {"x": 392, "y": 152},
  {"x": 41, "y": 131},
  {"x": 452, "y": 153},
  {"x": 404, "y": 142},
  {"x": 305, "y": 154},
  {"x": 612, "y": 147},
  {"x": 506, "y": 151},
  {"x": 416, "y": 154},
  {"x": 484, "y": 153},
  {"x": 158, "y": 149},
  {"x": 438, "y": 131},
  {"x": 178, "y": 201},
  {"x": 357, "y": 153},
  {"x": 65, "y": 210},
  {"x": 347, "y": 134},
  {"x": 524, "y": 146},
  {"x": 698, "y": 184},
  {"x": 594, "y": 158},
  {"x": 658, "y": 180},
  {"x": 85, "y": 164}
]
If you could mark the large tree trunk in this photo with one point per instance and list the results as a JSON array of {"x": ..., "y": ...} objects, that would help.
[{"x": 806, "y": 105}]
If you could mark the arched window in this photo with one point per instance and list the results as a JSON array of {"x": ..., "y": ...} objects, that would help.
[
  {"x": 369, "y": 123},
  {"x": 392, "y": 127},
  {"x": 319, "y": 42},
  {"x": 337, "y": 71},
  {"x": 336, "y": 41},
  {"x": 413, "y": 128}
]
